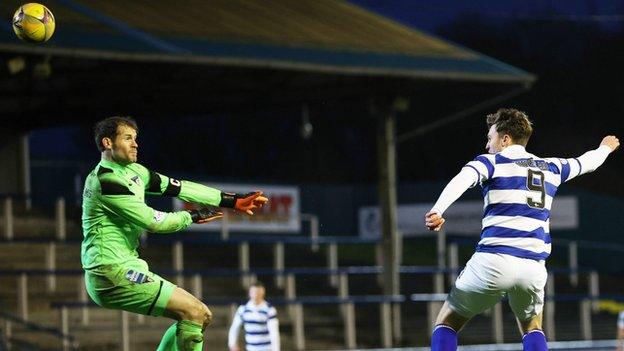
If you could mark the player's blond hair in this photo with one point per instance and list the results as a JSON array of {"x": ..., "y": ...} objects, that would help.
[{"x": 512, "y": 122}]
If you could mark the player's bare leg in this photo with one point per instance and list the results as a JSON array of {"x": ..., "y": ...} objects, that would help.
[
  {"x": 448, "y": 323},
  {"x": 184, "y": 306},
  {"x": 193, "y": 317},
  {"x": 533, "y": 338}
]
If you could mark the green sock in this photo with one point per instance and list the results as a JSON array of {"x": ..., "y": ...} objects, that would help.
[
  {"x": 190, "y": 336},
  {"x": 168, "y": 342}
]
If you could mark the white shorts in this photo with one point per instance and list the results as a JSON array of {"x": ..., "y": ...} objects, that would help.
[{"x": 488, "y": 277}]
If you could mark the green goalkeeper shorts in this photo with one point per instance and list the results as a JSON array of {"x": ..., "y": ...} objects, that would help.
[{"x": 130, "y": 287}]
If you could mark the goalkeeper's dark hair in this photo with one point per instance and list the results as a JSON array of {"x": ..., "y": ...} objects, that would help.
[
  {"x": 512, "y": 122},
  {"x": 107, "y": 128}
]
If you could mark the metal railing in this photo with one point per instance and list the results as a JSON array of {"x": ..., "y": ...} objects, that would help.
[
  {"x": 9, "y": 320},
  {"x": 295, "y": 310},
  {"x": 295, "y": 307}
]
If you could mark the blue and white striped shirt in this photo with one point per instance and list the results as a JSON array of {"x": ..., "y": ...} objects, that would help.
[
  {"x": 518, "y": 192},
  {"x": 260, "y": 324}
]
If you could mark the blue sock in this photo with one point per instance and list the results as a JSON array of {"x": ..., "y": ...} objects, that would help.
[
  {"x": 444, "y": 338},
  {"x": 535, "y": 340}
]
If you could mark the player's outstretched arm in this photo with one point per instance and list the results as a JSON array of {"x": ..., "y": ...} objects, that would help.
[
  {"x": 589, "y": 161},
  {"x": 159, "y": 184},
  {"x": 118, "y": 199},
  {"x": 465, "y": 179},
  {"x": 243, "y": 202}
]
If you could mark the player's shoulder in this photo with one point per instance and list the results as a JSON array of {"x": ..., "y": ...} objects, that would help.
[
  {"x": 139, "y": 168},
  {"x": 107, "y": 174},
  {"x": 111, "y": 183},
  {"x": 556, "y": 164},
  {"x": 487, "y": 159},
  {"x": 270, "y": 309}
]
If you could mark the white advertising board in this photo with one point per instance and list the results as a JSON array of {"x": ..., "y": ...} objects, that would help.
[
  {"x": 280, "y": 215},
  {"x": 462, "y": 218}
]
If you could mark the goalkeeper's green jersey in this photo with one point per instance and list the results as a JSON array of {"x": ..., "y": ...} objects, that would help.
[{"x": 114, "y": 213}]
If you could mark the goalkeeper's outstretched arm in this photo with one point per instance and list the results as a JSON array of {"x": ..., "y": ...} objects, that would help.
[
  {"x": 159, "y": 184},
  {"x": 117, "y": 198}
]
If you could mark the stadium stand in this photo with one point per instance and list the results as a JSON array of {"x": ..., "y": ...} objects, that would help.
[{"x": 42, "y": 279}]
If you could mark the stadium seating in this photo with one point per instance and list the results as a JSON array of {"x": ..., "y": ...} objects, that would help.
[{"x": 316, "y": 292}]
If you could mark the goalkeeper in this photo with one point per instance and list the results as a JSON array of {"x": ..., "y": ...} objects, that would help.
[{"x": 114, "y": 214}]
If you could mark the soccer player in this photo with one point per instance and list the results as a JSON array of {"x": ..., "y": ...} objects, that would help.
[
  {"x": 518, "y": 190},
  {"x": 260, "y": 322},
  {"x": 114, "y": 214}
]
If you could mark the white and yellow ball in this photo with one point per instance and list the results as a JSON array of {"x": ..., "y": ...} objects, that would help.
[{"x": 33, "y": 23}]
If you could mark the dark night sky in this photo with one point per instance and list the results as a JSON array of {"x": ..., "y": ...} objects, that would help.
[{"x": 430, "y": 15}]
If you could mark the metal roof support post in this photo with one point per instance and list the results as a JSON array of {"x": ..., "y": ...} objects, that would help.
[
  {"x": 441, "y": 254},
  {"x": 396, "y": 322},
  {"x": 453, "y": 262},
  {"x": 243, "y": 263},
  {"x": 573, "y": 262},
  {"x": 549, "y": 309},
  {"x": 379, "y": 253},
  {"x": 8, "y": 219},
  {"x": 140, "y": 318},
  {"x": 586, "y": 322},
  {"x": 291, "y": 287},
  {"x": 51, "y": 266},
  {"x": 332, "y": 263},
  {"x": 25, "y": 163},
  {"x": 65, "y": 328},
  {"x": 61, "y": 222},
  {"x": 386, "y": 150},
  {"x": 82, "y": 297},
  {"x": 594, "y": 289},
  {"x": 349, "y": 324},
  {"x": 386, "y": 153},
  {"x": 497, "y": 323},
  {"x": 125, "y": 331},
  {"x": 178, "y": 262},
  {"x": 386, "y": 324},
  {"x": 343, "y": 292},
  {"x": 298, "y": 328},
  {"x": 278, "y": 263},
  {"x": 8, "y": 333},
  {"x": 22, "y": 296},
  {"x": 314, "y": 229},
  {"x": 197, "y": 286},
  {"x": 343, "y": 286}
]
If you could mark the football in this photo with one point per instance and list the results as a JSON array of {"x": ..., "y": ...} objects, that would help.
[{"x": 33, "y": 23}]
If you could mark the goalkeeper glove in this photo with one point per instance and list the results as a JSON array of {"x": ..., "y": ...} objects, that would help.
[
  {"x": 204, "y": 215},
  {"x": 243, "y": 202}
]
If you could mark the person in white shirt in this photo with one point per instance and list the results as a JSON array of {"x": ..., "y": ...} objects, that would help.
[
  {"x": 259, "y": 319},
  {"x": 518, "y": 191}
]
